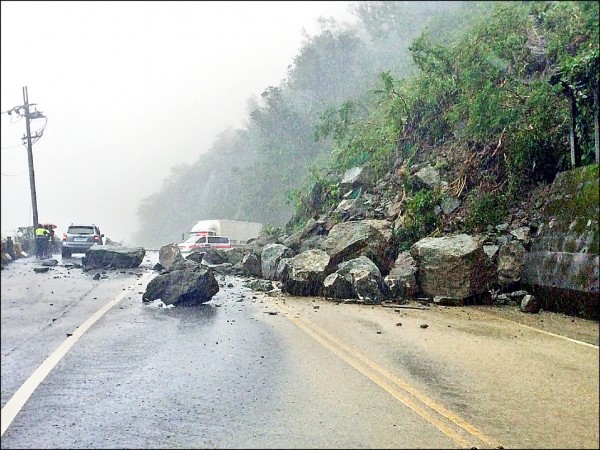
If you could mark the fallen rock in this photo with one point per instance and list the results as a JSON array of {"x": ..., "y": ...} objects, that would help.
[
  {"x": 113, "y": 257},
  {"x": 186, "y": 283},
  {"x": 168, "y": 255}
]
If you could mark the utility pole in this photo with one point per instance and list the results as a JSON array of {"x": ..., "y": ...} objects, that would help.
[
  {"x": 30, "y": 159},
  {"x": 24, "y": 110}
]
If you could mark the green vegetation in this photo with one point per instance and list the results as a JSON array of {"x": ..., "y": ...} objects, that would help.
[
  {"x": 487, "y": 84},
  {"x": 420, "y": 220},
  {"x": 487, "y": 209}
]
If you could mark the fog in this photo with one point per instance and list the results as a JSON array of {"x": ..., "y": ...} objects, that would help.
[{"x": 130, "y": 90}]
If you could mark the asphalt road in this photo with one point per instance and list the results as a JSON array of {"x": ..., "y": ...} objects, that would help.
[{"x": 85, "y": 364}]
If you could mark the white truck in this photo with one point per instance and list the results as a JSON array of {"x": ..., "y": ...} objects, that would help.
[{"x": 237, "y": 231}]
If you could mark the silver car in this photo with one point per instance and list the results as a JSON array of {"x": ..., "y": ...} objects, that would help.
[{"x": 80, "y": 238}]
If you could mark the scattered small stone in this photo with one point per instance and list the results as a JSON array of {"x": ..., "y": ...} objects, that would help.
[
  {"x": 399, "y": 324},
  {"x": 423, "y": 325}
]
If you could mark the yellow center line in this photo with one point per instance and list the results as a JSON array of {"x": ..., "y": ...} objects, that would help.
[{"x": 392, "y": 384}]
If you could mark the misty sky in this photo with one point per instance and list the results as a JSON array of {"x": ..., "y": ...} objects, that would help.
[{"x": 131, "y": 89}]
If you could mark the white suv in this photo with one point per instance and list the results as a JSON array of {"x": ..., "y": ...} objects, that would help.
[{"x": 197, "y": 242}]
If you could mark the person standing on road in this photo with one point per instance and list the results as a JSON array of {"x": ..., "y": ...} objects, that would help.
[
  {"x": 10, "y": 248},
  {"x": 50, "y": 246},
  {"x": 41, "y": 241}
]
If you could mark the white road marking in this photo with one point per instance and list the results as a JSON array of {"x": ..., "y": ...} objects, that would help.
[
  {"x": 575, "y": 341},
  {"x": 18, "y": 400}
]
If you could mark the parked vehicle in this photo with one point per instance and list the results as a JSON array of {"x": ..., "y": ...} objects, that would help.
[
  {"x": 204, "y": 242},
  {"x": 80, "y": 238},
  {"x": 237, "y": 231}
]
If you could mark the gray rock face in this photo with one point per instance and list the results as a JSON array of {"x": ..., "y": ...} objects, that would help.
[
  {"x": 113, "y": 257},
  {"x": 351, "y": 207},
  {"x": 491, "y": 251},
  {"x": 511, "y": 259},
  {"x": 281, "y": 267},
  {"x": 185, "y": 283},
  {"x": 402, "y": 279},
  {"x": 261, "y": 285},
  {"x": 311, "y": 242},
  {"x": 337, "y": 286},
  {"x": 196, "y": 256},
  {"x": 168, "y": 255},
  {"x": 304, "y": 274},
  {"x": 317, "y": 227},
  {"x": 370, "y": 238},
  {"x": 366, "y": 280},
  {"x": 362, "y": 263},
  {"x": 224, "y": 269},
  {"x": 235, "y": 255},
  {"x": 250, "y": 265},
  {"x": 530, "y": 304},
  {"x": 428, "y": 177},
  {"x": 270, "y": 257},
  {"x": 215, "y": 256},
  {"x": 352, "y": 178},
  {"x": 293, "y": 241},
  {"x": 449, "y": 205},
  {"x": 452, "y": 266}
]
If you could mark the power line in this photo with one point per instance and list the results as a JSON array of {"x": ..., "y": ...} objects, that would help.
[{"x": 13, "y": 175}]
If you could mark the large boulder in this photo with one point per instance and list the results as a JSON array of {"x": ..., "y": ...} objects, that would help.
[
  {"x": 353, "y": 178},
  {"x": 197, "y": 256},
  {"x": 371, "y": 238},
  {"x": 511, "y": 258},
  {"x": 168, "y": 255},
  {"x": 113, "y": 257},
  {"x": 270, "y": 257},
  {"x": 215, "y": 256},
  {"x": 186, "y": 283},
  {"x": 250, "y": 265},
  {"x": 351, "y": 208},
  {"x": 304, "y": 273},
  {"x": 338, "y": 286},
  {"x": 235, "y": 255},
  {"x": 453, "y": 266},
  {"x": 402, "y": 279},
  {"x": 365, "y": 278}
]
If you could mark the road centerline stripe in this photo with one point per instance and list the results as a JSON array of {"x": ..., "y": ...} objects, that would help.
[{"x": 398, "y": 389}]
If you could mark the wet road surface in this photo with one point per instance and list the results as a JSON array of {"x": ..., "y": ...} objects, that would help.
[{"x": 249, "y": 371}]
